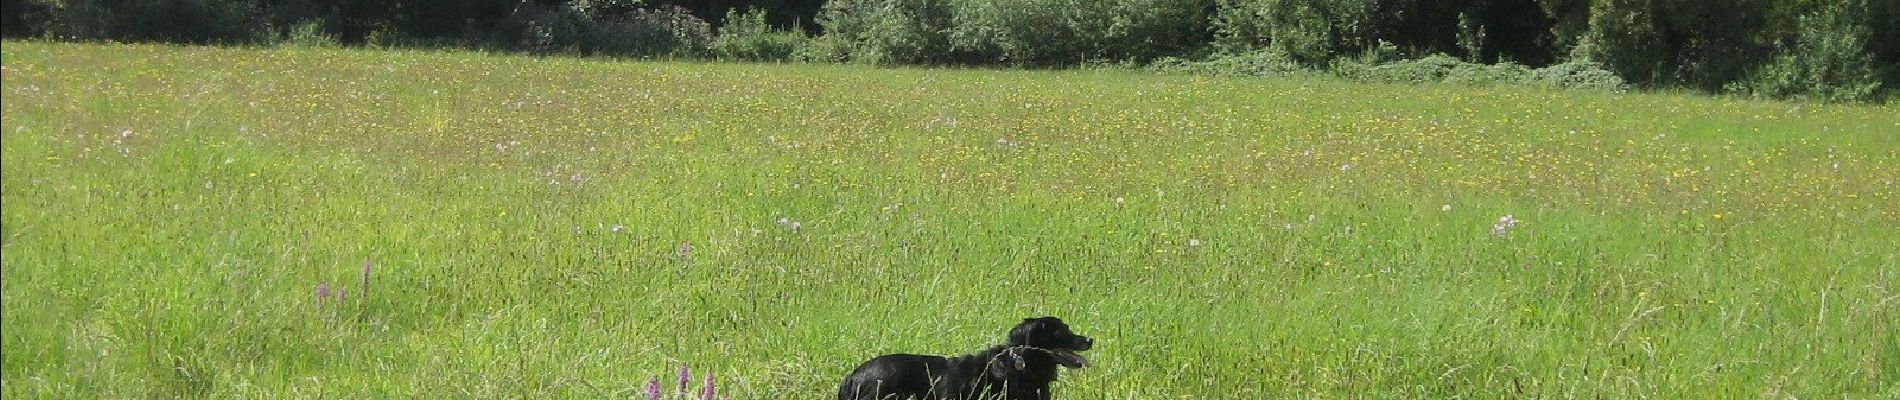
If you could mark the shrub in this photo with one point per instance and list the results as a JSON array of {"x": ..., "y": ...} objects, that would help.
[
  {"x": 884, "y": 32},
  {"x": 1623, "y": 36},
  {"x": 1432, "y": 68},
  {"x": 1578, "y": 74},
  {"x": 747, "y": 37},
  {"x": 1439, "y": 68},
  {"x": 1313, "y": 32},
  {"x": 308, "y": 34},
  {"x": 1830, "y": 60},
  {"x": 547, "y": 30},
  {"x": 205, "y": 21},
  {"x": 823, "y": 49},
  {"x": 25, "y": 17},
  {"x": 1023, "y": 33},
  {"x": 1473, "y": 74},
  {"x": 668, "y": 31},
  {"x": 602, "y": 30},
  {"x": 1011, "y": 32},
  {"x": 1070, "y": 32},
  {"x": 1143, "y": 30},
  {"x": 1253, "y": 63}
]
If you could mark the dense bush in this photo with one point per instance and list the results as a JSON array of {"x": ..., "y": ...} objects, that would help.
[
  {"x": 1434, "y": 68},
  {"x": 1316, "y": 32},
  {"x": 747, "y": 36},
  {"x": 1312, "y": 32},
  {"x": 883, "y": 32},
  {"x": 1253, "y": 63},
  {"x": 661, "y": 32},
  {"x": 1071, "y": 32},
  {"x": 1835, "y": 50},
  {"x": 611, "y": 31},
  {"x": 1441, "y": 68},
  {"x": 1830, "y": 59},
  {"x": 1623, "y": 35},
  {"x": 1008, "y": 32},
  {"x": 308, "y": 34},
  {"x": 201, "y": 21},
  {"x": 1687, "y": 43},
  {"x": 1578, "y": 74},
  {"x": 21, "y": 18}
]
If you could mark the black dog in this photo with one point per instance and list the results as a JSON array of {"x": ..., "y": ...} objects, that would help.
[{"x": 1020, "y": 370}]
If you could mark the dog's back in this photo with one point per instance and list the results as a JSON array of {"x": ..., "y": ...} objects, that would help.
[{"x": 894, "y": 377}]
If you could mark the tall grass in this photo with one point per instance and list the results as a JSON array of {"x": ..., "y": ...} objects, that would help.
[{"x": 558, "y": 228}]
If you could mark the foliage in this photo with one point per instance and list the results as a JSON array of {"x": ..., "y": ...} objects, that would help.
[
  {"x": 199, "y": 21},
  {"x": 747, "y": 37},
  {"x": 1441, "y": 68},
  {"x": 25, "y": 18},
  {"x": 1578, "y": 74},
  {"x": 887, "y": 31},
  {"x": 1769, "y": 48},
  {"x": 1252, "y": 63},
  {"x": 1313, "y": 32},
  {"x": 632, "y": 32},
  {"x": 661, "y": 32},
  {"x": 1830, "y": 59},
  {"x": 308, "y": 34},
  {"x": 1073, "y": 32}
]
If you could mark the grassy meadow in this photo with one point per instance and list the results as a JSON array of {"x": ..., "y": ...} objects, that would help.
[{"x": 565, "y": 228}]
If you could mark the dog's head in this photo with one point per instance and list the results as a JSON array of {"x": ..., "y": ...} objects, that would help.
[{"x": 1050, "y": 334}]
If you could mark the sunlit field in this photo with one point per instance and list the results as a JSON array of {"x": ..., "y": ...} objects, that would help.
[{"x": 484, "y": 226}]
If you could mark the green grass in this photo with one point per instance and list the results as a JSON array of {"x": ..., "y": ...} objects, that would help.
[{"x": 169, "y": 211}]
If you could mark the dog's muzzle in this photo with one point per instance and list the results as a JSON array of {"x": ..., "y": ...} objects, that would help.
[{"x": 1068, "y": 357}]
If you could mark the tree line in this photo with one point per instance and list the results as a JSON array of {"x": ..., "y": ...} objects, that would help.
[{"x": 1833, "y": 50}]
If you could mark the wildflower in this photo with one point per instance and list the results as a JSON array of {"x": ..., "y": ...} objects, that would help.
[
  {"x": 709, "y": 392},
  {"x": 788, "y": 223},
  {"x": 1446, "y": 208},
  {"x": 1504, "y": 225},
  {"x": 653, "y": 389},
  {"x": 339, "y": 295},
  {"x": 364, "y": 287},
  {"x": 617, "y": 228},
  {"x": 686, "y": 377},
  {"x": 685, "y": 250},
  {"x": 1194, "y": 243},
  {"x": 323, "y": 292}
]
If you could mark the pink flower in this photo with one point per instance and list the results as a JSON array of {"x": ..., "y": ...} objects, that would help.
[
  {"x": 365, "y": 284},
  {"x": 686, "y": 377}
]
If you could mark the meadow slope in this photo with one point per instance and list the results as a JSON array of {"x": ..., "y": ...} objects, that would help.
[{"x": 562, "y": 228}]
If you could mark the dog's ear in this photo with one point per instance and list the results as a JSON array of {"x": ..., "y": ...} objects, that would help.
[{"x": 1020, "y": 335}]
